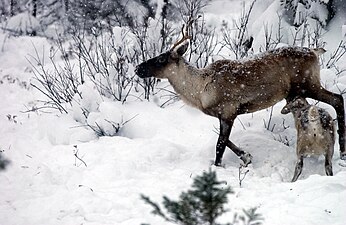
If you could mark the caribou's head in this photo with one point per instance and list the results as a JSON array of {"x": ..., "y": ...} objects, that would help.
[{"x": 161, "y": 65}]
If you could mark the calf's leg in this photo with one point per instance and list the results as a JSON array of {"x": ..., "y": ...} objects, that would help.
[
  {"x": 328, "y": 164},
  {"x": 298, "y": 168}
]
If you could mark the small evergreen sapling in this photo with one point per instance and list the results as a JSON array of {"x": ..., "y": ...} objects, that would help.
[{"x": 203, "y": 204}]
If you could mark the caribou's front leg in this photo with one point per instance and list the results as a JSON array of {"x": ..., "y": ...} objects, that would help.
[{"x": 223, "y": 141}]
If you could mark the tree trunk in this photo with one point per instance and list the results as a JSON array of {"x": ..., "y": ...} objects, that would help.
[
  {"x": 331, "y": 10},
  {"x": 34, "y": 8},
  {"x": 163, "y": 23},
  {"x": 13, "y": 7},
  {"x": 66, "y": 5}
]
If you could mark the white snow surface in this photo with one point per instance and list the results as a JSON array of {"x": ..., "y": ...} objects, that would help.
[
  {"x": 158, "y": 152},
  {"x": 23, "y": 23}
]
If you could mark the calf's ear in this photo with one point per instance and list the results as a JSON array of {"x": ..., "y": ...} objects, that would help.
[{"x": 285, "y": 110}]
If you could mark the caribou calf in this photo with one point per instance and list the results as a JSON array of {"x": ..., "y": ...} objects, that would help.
[
  {"x": 226, "y": 88},
  {"x": 315, "y": 133}
]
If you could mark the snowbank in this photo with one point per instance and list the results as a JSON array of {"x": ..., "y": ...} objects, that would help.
[{"x": 62, "y": 173}]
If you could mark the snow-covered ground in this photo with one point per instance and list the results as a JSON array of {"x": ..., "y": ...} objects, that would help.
[{"x": 157, "y": 153}]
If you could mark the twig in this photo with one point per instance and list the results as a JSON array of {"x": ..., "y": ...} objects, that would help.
[
  {"x": 81, "y": 185},
  {"x": 242, "y": 174},
  {"x": 267, "y": 125},
  {"x": 241, "y": 123},
  {"x": 77, "y": 157}
]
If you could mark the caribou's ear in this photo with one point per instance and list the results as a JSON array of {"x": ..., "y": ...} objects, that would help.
[{"x": 182, "y": 49}]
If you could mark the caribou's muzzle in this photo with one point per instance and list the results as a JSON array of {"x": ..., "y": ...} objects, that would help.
[{"x": 142, "y": 71}]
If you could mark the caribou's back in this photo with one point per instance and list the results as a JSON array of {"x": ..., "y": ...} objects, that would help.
[{"x": 262, "y": 80}]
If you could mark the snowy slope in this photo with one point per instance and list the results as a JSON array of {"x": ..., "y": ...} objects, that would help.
[{"x": 157, "y": 153}]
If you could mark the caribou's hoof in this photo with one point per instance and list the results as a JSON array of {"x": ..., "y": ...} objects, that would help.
[
  {"x": 343, "y": 156},
  {"x": 218, "y": 164},
  {"x": 246, "y": 158}
]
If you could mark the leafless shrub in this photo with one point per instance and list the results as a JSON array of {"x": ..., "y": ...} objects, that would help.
[
  {"x": 153, "y": 36},
  {"x": 107, "y": 127},
  {"x": 236, "y": 39},
  {"x": 333, "y": 62},
  {"x": 283, "y": 139},
  {"x": 170, "y": 96},
  {"x": 336, "y": 55},
  {"x": 58, "y": 85},
  {"x": 147, "y": 47},
  {"x": 272, "y": 41},
  {"x": 314, "y": 36},
  {"x": 268, "y": 124},
  {"x": 107, "y": 62},
  {"x": 308, "y": 35},
  {"x": 204, "y": 40},
  {"x": 203, "y": 44}
]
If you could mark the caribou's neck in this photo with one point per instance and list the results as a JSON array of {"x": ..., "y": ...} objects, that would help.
[{"x": 189, "y": 82}]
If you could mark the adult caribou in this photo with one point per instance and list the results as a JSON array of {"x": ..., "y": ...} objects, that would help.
[{"x": 227, "y": 88}]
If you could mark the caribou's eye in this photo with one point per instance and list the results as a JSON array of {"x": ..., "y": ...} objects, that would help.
[{"x": 162, "y": 59}]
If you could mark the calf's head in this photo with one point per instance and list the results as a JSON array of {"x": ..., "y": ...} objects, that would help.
[{"x": 294, "y": 105}]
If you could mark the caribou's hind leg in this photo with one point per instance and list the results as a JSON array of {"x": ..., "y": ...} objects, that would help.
[
  {"x": 244, "y": 156},
  {"x": 223, "y": 141},
  {"x": 337, "y": 102}
]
